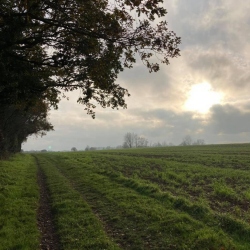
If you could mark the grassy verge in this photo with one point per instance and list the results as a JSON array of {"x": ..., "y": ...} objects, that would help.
[
  {"x": 18, "y": 203},
  {"x": 77, "y": 226}
]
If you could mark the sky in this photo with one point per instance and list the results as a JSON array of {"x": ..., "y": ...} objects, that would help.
[{"x": 204, "y": 93}]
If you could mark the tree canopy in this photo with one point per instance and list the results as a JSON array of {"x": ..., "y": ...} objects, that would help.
[{"x": 50, "y": 47}]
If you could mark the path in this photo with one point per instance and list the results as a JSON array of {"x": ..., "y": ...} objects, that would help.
[{"x": 49, "y": 238}]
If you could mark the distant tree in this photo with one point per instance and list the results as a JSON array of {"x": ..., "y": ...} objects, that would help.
[
  {"x": 133, "y": 140},
  {"x": 125, "y": 145},
  {"x": 187, "y": 141},
  {"x": 74, "y": 149},
  {"x": 87, "y": 148},
  {"x": 44, "y": 151},
  {"x": 129, "y": 140},
  {"x": 157, "y": 144},
  {"x": 199, "y": 142},
  {"x": 141, "y": 142}
]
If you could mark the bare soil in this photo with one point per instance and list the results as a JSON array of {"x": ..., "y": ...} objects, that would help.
[{"x": 45, "y": 221}]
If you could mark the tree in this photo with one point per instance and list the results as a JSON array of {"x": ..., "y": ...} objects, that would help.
[
  {"x": 157, "y": 144},
  {"x": 133, "y": 140},
  {"x": 17, "y": 123},
  {"x": 74, "y": 149},
  {"x": 125, "y": 145},
  {"x": 50, "y": 47},
  {"x": 187, "y": 141},
  {"x": 140, "y": 141},
  {"x": 129, "y": 140},
  {"x": 75, "y": 44},
  {"x": 199, "y": 142}
]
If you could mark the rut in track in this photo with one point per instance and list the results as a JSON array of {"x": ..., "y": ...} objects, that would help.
[{"x": 49, "y": 237}]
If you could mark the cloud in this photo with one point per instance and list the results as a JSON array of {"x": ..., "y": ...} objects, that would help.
[
  {"x": 220, "y": 70},
  {"x": 228, "y": 119},
  {"x": 222, "y": 24}
]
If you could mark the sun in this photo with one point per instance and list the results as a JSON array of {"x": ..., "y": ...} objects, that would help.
[{"x": 202, "y": 97}]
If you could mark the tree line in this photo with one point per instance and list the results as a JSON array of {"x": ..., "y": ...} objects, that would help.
[
  {"x": 132, "y": 140},
  {"x": 48, "y": 48},
  {"x": 188, "y": 141}
]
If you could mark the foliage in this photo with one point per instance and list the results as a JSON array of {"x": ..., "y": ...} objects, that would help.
[
  {"x": 17, "y": 122},
  {"x": 75, "y": 44}
]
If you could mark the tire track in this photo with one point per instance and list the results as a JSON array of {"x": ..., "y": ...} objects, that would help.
[{"x": 45, "y": 221}]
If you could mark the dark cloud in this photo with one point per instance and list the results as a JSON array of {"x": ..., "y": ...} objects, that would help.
[
  {"x": 212, "y": 23},
  {"x": 141, "y": 83},
  {"x": 228, "y": 119}
]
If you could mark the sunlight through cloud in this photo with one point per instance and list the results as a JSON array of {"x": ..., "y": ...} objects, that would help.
[{"x": 202, "y": 97}]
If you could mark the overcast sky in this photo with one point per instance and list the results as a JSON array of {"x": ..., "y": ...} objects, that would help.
[{"x": 205, "y": 93}]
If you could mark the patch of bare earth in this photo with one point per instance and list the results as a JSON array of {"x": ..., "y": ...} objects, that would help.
[{"x": 49, "y": 238}]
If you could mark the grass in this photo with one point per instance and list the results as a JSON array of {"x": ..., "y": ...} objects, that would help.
[
  {"x": 139, "y": 221},
  {"x": 77, "y": 226},
  {"x": 222, "y": 190},
  {"x": 18, "y": 203},
  {"x": 163, "y": 197},
  {"x": 153, "y": 198}
]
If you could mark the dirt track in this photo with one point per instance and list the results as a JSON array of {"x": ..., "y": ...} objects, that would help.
[{"x": 49, "y": 238}]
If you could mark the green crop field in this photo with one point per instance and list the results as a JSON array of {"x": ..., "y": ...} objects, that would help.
[{"x": 195, "y": 197}]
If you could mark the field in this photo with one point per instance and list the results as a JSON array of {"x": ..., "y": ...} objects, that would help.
[{"x": 195, "y": 197}]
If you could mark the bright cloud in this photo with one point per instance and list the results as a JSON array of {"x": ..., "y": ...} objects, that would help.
[{"x": 201, "y": 98}]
